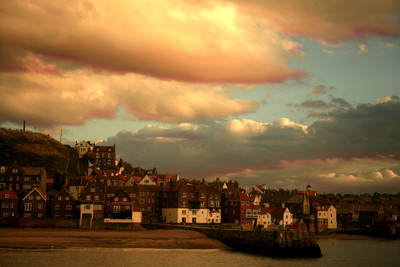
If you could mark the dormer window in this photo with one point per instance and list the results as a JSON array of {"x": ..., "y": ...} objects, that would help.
[{"x": 92, "y": 189}]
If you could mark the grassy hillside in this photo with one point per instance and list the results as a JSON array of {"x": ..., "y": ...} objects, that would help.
[{"x": 39, "y": 150}]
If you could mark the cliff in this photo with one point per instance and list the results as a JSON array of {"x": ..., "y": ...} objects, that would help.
[{"x": 27, "y": 148}]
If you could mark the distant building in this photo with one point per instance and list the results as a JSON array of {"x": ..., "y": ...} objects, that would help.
[
  {"x": 83, "y": 147},
  {"x": 102, "y": 156}
]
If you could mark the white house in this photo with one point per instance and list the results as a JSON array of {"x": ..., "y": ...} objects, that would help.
[{"x": 186, "y": 215}]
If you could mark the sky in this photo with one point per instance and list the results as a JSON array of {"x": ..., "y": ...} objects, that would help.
[{"x": 281, "y": 93}]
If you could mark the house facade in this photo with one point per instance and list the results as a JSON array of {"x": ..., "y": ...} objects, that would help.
[
  {"x": 8, "y": 208},
  {"x": 187, "y": 203},
  {"x": 34, "y": 204},
  {"x": 63, "y": 205},
  {"x": 92, "y": 204}
]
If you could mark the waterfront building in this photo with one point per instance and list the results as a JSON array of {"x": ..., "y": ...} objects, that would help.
[
  {"x": 8, "y": 208},
  {"x": 34, "y": 204},
  {"x": 63, "y": 205}
]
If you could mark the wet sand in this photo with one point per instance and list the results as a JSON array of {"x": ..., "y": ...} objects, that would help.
[{"x": 73, "y": 238}]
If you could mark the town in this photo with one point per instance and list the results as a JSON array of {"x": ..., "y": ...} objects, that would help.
[{"x": 108, "y": 196}]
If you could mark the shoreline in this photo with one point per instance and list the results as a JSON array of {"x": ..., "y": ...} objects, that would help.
[
  {"x": 54, "y": 238},
  {"x": 34, "y": 238}
]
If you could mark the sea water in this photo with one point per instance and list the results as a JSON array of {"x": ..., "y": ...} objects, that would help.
[{"x": 335, "y": 253}]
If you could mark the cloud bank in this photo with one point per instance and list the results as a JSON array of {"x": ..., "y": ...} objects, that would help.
[{"x": 326, "y": 152}]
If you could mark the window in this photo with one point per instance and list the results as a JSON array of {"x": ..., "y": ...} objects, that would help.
[
  {"x": 30, "y": 197},
  {"x": 183, "y": 203},
  {"x": 183, "y": 194},
  {"x": 27, "y": 186},
  {"x": 69, "y": 207},
  {"x": 194, "y": 212},
  {"x": 217, "y": 203},
  {"x": 4, "y": 205},
  {"x": 116, "y": 199},
  {"x": 28, "y": 206},
  {"x": 92, "y": 189},
  {"x": 14, "y": 170},
  {"x": 39, "y": 215},
  {"x": 88, "y": 197},
  {"x": 12, "y": 205},
  {"x": 28, "y": 215},
  {"x": 17, "y": 186},
  {"x": 57, "y": 207},
  {"x": 27, "y": 179},
  {"x": 87, "y": 207},
  {"x": 211, "y": 203},
  {"x": 59, "y": 198},
  {"x": 6, "y": 214},
  {"x": 98, "y": 207},
  {"x": 124, "y": 199},
  {"x": 202, "y": 204},
  {"x": 216, "y": 196},
  {"x": 142, "y": 193},
  {"x": 142, "y": 201},
  {"x": 40, "y": 206},
  {"x": 96, "y": 197},
  {"x": 211, "y": 196},
  {"x": 183, "y": 212},
  {"x": 67, "y": 198},
  {"x": 11, "y": 179},
  {"x": 202, "y": 195},
  {"x": 37, "y": 197}
]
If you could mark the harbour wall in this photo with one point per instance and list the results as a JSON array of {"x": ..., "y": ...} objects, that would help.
[{"x": 272, "y": 243}]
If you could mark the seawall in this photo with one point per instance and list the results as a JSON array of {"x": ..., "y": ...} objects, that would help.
[{"x": 290, "y": 244}]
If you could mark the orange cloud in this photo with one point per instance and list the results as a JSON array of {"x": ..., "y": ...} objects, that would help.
[{"x": 175, "y": 39}]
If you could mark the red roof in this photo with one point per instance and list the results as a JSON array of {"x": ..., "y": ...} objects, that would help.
[
  {"x": 41, "y": 193},
  {"x": 9, "y": 192}
]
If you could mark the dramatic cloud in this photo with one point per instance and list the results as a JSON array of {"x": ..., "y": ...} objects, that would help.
[
  {"x": 76, "y": 96},
  {"x": 248, "y": 150},
  {"x": 180, "y": 40},
  {"x": 331, "y": 22}
]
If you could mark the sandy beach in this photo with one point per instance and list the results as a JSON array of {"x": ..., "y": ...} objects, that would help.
[{"x": 73, "y": 238}]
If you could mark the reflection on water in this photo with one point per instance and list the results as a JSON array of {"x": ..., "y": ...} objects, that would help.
[{"x": 336, "y": 253}]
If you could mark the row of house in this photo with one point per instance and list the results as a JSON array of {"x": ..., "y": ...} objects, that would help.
[{"x": 110, "y": 194}]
